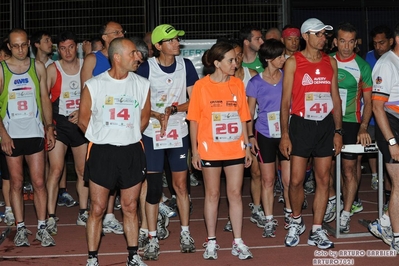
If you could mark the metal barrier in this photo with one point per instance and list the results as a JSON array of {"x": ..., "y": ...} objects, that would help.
[{"x": 356, "y": 148}]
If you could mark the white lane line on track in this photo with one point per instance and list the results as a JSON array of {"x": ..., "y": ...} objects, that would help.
[{"x": 175, "y": 251}]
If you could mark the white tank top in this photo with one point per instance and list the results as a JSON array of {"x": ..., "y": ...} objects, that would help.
[
  {"x": 116, "y": 109},
  {"x": 69, "y": 99},
  {"x": 167, "y": 89}
]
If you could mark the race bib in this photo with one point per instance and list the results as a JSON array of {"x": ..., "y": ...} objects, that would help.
[
  {"x": 273, "y": 120},
  {"x": 21, "y": 103},
  {"x": 69, "y": 102},
  {"x": 317, "y": 105},
  {"x": 226, "y": 126},
  {"x": 343, "y": 93},
  {"x": 118, "y": 111},
  {"x": 172, "y": 137}
]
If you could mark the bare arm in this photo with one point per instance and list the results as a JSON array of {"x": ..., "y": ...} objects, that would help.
[
  {"x": 145, "y": 113},
  {"x": 87, "y": 69},
  {"x": 46, "y": 104},
  {"x": 337, "y": 107},
  {"x": 363, "y": 137},
  {"x": 288, "y": 81},
  {"x": 51, "y": 76},
  {"x": 84, "y": 109},
  {"x": 7, "y": 144},
  {"x": 250, "y": 124},
  {"x": 383, "y": 124},
  {"x": 195, "y": 158}
]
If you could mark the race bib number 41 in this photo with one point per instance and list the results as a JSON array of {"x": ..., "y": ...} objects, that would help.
[
  {"x": 226, "y": 126},
  {"x": 317, "y": 105}
]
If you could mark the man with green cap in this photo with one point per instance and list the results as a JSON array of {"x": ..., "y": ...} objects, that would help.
[{"x": 172, "y": 78}]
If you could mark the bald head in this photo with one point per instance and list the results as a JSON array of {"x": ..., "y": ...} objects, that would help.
[{"x": 116, "y": 47}]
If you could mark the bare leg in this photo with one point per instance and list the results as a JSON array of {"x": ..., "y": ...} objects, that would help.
[
  {"x": 99, "y": 200},
  {"x": 234, "y": 179},
  {"x": 211, "y": 177}
]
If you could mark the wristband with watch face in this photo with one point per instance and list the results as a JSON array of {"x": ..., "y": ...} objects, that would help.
[
  {"x": 339, "y": 131},
  {"x": 392, "y": 141}
]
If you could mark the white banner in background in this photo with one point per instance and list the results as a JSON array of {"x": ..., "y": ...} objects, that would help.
[{"x": 194, "y": 49}]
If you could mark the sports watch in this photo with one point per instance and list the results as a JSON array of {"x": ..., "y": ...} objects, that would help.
[
  {"x": 392, "y": 141},
  {"x": 339, "y": 131}
]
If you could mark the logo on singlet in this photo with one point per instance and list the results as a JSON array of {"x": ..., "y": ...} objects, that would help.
[
  {"x": 21, "y": 81},
  {"x": 378, "y": 80},
  {"x": 74, "y": 85},
  {"x": 307, "y": 80}
]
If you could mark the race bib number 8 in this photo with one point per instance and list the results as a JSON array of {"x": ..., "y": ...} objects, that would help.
[
  {"x": 20, "y": 104},
  {"x": 317, "y": 105},
  {"x": 226, "y": 126}
]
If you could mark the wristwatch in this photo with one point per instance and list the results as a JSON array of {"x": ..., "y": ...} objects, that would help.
[
  {"x": 392, "y": 141},
  {"x": 339, "y": 131}
]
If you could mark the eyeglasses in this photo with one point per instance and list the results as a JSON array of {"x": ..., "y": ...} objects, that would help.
[
  {"x": 177, "y": 39},
  {"x": 117, "y": 32},
  {"x": 318, "y": 34},
  {"x": 19, "y": 46}
]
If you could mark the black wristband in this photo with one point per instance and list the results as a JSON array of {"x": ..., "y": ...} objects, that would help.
[
  {"x": 251, "y": 136},
  {"x": 174, "y": 109}
]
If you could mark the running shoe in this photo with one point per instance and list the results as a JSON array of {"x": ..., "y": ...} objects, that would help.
[
  {"x": 166, "y": 210},
  {"x": 380, "y": 231},
  {"x": 43, "y": 236},
  {"x": 344, "y": 225},
  {"x": 173, "y": 203},
  {"x": 211, "y": 248},
  {"x": 320, "y": 239},
  {"x": 65, "y": 199},
  {"x": 143, "y": 240},
  {"x": 287, "y": 218},
  {"x": 357, "y": 207},
  {"x": 164, "y": 181},
  {"x": 92, "y": 262},
  {"x": 281, "y": 198},
  {"x": 21, "y": 237},
  {"x": 241, "y": 250},
  {"x": 374, "y": 182},
  {"x": 228, "y": 227},
  {"x": 162, "y": 223},
  {"x": 294, "y": 231},
  {"x": 193, "y": 180},
  {"x": 135, "y": 261},
  {"x": 113, "y": 226},
  {"x": 9, "y": 218},
  {"x": 117, "y": 204},
  {"x": 385, "y": 207},
  {"x": 51, "y": 226},
  {"x": 82, "y": 218},
  {"x": 151, "y": 251},
  {"x": 270, "y": 228},
  {"x": 331, "y": 212},
  {"x": 186, "y": 243},
  {"x": 257, "y": 216},
  {"x": 395, "y": 246},
  {"x": 309, "y": 186}
]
